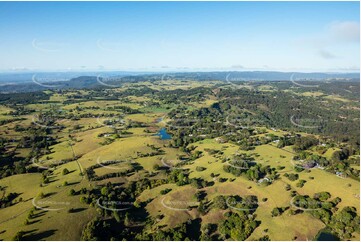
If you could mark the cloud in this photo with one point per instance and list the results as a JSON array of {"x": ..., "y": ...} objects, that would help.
[
  {"x": 326, "y": 54},
  {"x": 334, "y": 33},
  {"x": 345, "y": 31}
]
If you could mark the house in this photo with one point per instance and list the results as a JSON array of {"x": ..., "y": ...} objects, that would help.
[
  {"x": 105, "y": 135},
  {"x": 220, "y": 140},
  {"x": 266, "y": 179},
  {"x": 340, "y": 174},
  {"x": 320, "y": 167}
]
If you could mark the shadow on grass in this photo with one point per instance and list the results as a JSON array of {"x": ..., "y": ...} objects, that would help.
[
  {"x": 41, "y": 235},
  {"x": 77, "y": 210},
  {"x": 52, "y": 180},
  {"x": 30, "y": 231},
  {"x": 40, "y": 214},
  {"x": 49, "y": 194},
  {"x": 73, "y": 183},
  {"x": 34, "y": 221}
]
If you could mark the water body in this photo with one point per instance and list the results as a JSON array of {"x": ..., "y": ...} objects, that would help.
[
  {"x": 163, "y": 134},
  {"x": 326, "y": 235}
]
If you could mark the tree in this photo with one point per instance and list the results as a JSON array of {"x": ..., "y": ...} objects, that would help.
[
  {"x": 346, "y": 222},
  {"x": 41, "y": 195},
  {"x": 276, "y": 212},
  {"x": 220, "y": 202},
  {"x": 202, "y": 208},
  {"x": 116, "y": 216},
  {"x": 300, "y": 183},
  {"x": 19, "y": 236},
  {"x": 104, "y": 191},
  {"x": 200, "y": 168},
  {"x": 322, "y": 196},
  {"x": 71, "y": 192},
  {"x": 237, "y": 227},
  {"x": 199, "y": 195},
  {"x": 127, "y": 220},
  {"x": 288, "y": 187},
  {"x": 65, "y": 171}
]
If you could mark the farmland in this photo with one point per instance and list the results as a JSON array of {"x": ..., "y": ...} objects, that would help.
[{"x": 91, "y": 164}]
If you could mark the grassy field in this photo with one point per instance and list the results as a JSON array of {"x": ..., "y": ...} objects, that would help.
[
  {"x": 52, "y": 220},
  {"x": 93, "y": 143}
]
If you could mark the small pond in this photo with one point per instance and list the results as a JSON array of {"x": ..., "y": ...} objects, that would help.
[
  {"x": 326, "y": 235},
  {"x": 163, "y": 134}
]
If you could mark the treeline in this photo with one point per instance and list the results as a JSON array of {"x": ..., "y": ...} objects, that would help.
[{"x": 341, "y": 223}]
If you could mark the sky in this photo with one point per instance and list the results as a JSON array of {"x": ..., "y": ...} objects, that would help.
[{"x": 180, "y": 36}]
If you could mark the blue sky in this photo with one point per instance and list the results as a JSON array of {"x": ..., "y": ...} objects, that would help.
[{"x": 168, "y": 36}]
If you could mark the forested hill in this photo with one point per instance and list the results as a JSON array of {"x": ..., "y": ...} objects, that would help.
[{"x": 11, "y": 83}]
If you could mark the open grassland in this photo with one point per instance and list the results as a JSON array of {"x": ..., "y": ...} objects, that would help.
[
  {"x": 276, "y": 194},
  {"x": 337, "y": 98},
  {"x": 174, "y": 206},
  {"x": 145, "y": 118},
  {"x": 101, "y": 104},
  {"x": 276, "y": 197},
  {"x": 88, "y": 141},
  {"x": 312, "y": 94},
  {"x": 124, "y": 148},
  {"x": 52, "y": 219},
  {"x": 5, "y": 110}
]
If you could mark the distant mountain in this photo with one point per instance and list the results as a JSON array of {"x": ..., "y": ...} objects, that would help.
[
  {"x": 267, "y": 75},
  {"x": 76, "y": 83},
  {"x": 232, "y": 76},
  {"x": 27, "y": 77},
  {"x": 31, "y": 82}
]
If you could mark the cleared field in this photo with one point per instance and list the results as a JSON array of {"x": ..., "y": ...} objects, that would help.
[
  {"x": 312, "y": 94},
  {"x": 124, "y": 148},
  {"x": 52, "y": 220},
  {"x": 5, "y": 110},
  {"x": 337, "y": 98},
  {"x": 174, "y": 206},
  {"x": 277, "y": 197},
  {"x": 100, "y": 105},
  {"x": 145, "y": 118},
  {"x": 87, "y": 140}
]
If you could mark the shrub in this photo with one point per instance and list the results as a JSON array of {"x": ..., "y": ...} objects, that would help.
[
  {"x": 65, "y": 171},
  {"x": 71, "y": 192},
  {"x": 165, "y": 191},
  {"x": 220, "y": 202},
  {"x": 300, "y": 183},
  {"x": 200, "y": 168},
  {"x": 291, "y": 176}
]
